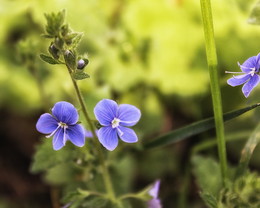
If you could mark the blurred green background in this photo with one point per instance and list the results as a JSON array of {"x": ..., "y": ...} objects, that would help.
[{"x": 147, "y": 53}]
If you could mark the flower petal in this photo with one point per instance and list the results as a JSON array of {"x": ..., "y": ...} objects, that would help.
[
  {"x": 46, "y": 124},
  {"x": 108, "y": 137},
  {"x": 65, "y": 112},
  {"x": 249, "y": 86},
  {"x": 76, "y": 134},
  {"x": 251, "y": 62},
  {"x": 129, "y": 115},
  {"x": 154, "y": 203},
  {"x": 126, "y": 134},
  {"x": 238, "y": 80},
  {"x": 155, "y": 189},
  {"x": 58, "y": 140},
  {"x": 105, "y": 111}
]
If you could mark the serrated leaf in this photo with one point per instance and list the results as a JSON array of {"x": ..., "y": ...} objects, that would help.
[
  {"x": 79, "y": 75},
  {"x": 208, "y": 176},
  {"x": 210, "y": 200},
  {"x": 254, "y": 17},
  {"x": 194, "y": 129},
  {"x": 48, "y": 59}
]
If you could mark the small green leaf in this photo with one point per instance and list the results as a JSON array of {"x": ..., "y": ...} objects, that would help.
[
  {"x": 79, "y": 75},
  {"x": 207, "y": 173},
  {"x": 48, "y": 59},
  {"x": 194, "y": 129},
  {"x": 210, "y": 200},
  {"x": 247, "y": 151},
  {"x": 76, "y": 40},
  {"x": 254, "y": 17}
]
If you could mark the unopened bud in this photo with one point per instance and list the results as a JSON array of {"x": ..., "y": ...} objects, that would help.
[
  {"x": 54, "y": 51},
  {"x": 82, "y": 63},
  {"x": 70, "y": 59}
]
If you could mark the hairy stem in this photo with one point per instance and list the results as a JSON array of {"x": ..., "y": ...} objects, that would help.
[
  {"x": 105, "y": 172},
  {"x": 214, "y": 83}
]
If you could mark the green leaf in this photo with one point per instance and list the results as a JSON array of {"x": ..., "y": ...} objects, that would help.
[
  {"x": 194, "y": 129},
  {"x": 46, "y": 158},
  {"x": 79, "y": 75},
  {"x": 210, "y": 200},
  {"x": 247, "y": 151},
  {"x": 207, "y": 173},
  {"x": 254, "y": 17},
  {"x": 48, "y": 59},
  {"x": 73, "y": 38}
]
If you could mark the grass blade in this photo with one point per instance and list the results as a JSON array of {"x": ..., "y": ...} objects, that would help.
[{"x": 194, "y": 129}]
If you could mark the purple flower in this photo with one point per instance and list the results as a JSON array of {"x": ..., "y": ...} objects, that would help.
[
  {"x": 250, "y": 78},
  {"x": 114, "y": 119},
  {"x": 62, "y": 125},
  {"x": 155, "y": 202}
]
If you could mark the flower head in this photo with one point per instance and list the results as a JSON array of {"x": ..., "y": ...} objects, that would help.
[
  {"x": 115, "y": 119},
  {"x": 155, "y": 202},
  {"x": 62, "y": 125},
  {"x": 250, "y": 75}
]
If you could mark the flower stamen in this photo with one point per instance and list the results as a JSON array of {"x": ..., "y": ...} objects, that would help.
[{"x": 115, "y": 122}]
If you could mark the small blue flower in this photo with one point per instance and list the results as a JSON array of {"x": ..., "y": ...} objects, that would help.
[
  {"x": 155, "y": 202},
  {"x": 114, "y": 119},
  {"x": 62, "y": 125},
  {"x": 250, "y": 78}
]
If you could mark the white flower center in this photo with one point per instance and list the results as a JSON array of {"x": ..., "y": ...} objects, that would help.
[
  {"x": 115, "y": 122},
  {"x": 63, "y": 125},
  {"x": 253, "y": 71}
]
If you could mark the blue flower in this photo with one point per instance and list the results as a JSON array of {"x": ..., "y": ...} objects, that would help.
[
  {"x": 250, "y": 78},
  {"x": 115, "y": 119},
  {"x": 62, "y": 125},
  {"x": 155, "y": 202}
]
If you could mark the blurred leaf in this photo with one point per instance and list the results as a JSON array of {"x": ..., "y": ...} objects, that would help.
[
  {"x": 48, "y": 59},
  {"x": 46, "y": 36},
  {"x": 210, "y": 200},
  {"x": 46, "y": 158},
  {"x": 194, "y": 128},
  {"x": 62, "y": 173},
  {"x": 254, "y": 17},
  {"x": 79, "y": 75},
  {"x": 208, "y": 176},
  {"x": 247, "y": 152},
  {"x": 244, "y": 193}
]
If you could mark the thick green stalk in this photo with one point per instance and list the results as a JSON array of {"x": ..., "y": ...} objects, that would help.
[
  {"x": 214, "y": 82},
  {"x": 105, "y": 172}
]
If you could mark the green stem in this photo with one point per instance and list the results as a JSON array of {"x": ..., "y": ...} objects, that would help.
[
  {"x": 214, "y": 81},
  {"x": 105, "y": 172}
]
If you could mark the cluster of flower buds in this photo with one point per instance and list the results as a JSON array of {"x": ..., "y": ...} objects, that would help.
[{"x": 62, "y": 49}]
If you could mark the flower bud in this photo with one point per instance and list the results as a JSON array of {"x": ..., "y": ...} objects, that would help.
[
  {"x": 70, "y": 59},
  {"x": 81, "y": 64},
  {"x": 54, "y": 51}
]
